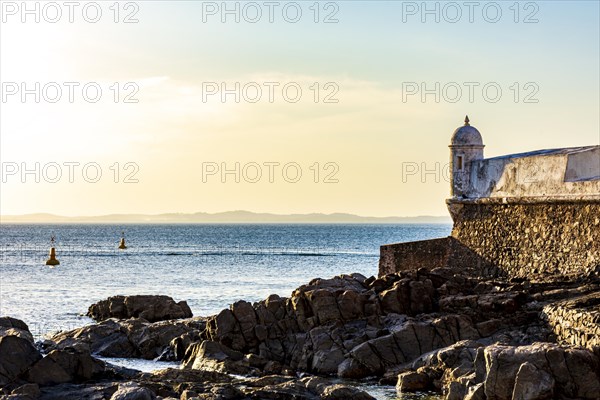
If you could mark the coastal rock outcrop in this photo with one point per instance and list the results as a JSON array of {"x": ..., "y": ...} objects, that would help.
[
  {"x": 213, "y": 356},
  {"x": 131, "y": 338},
  {"x": 412, "y": 339},
  {"x": 152, "y": 308},
  {"x": 67, "y": 365},
  {"x": 16, "y": 356},
  {"x": 187, "y": 384},
  {"x": 538, "y": 371},
  {"x": 133, "y": 391},
  {"x": 15, "y": 327},
  {"x": 309, "y": 388},
  {"x": 433, "y": 330},
  {"x": 23, "y": 368},
  {"x": 355, "y": 327}
]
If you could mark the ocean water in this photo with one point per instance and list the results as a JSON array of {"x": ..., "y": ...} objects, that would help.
[{"x": 209, "y": 266}]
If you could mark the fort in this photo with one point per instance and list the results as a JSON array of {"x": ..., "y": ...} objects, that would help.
[{"x": 514, "y": 215}]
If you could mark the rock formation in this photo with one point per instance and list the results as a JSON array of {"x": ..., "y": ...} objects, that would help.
[
  {"x": 464, "y": 336},
  {"x": 148, "y": 307},
  {"x": 70, "y": 372}
]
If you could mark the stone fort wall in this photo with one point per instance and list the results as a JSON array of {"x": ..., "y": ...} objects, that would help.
[
  {"x": 576, "y": 321},
  {"x": 558, "y": 172},
  {"x": 513, "y": 237}
]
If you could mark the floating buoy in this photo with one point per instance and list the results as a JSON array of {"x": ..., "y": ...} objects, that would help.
[
  {"x": 52, "y": 260},
  {"x": 122, "y": 245}
]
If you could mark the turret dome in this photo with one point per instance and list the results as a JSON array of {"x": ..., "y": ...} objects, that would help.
[{"x": 466, "y": 135}]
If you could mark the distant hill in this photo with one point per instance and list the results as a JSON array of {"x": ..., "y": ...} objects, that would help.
[{"x": 225, "y": 217}]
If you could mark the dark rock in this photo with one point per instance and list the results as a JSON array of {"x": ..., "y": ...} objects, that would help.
[
  {"x": 62, "y": 366},
  {"x": 327, "y": 390},
  {"x": 16, "y": 356},
  {"x": 309, "y": 389},
  {"x": 412, "y": 381},
  {"x": 214, "y": 356},
  {"x": 131, "y": 338},
  {"x": 132, "y": 391},
  {"x": 227, "y": 392},
  {"x": 149, "y": 307},
  {"x": 14, "y": 327},
  {"x": 532, "y": 383},
  {"x": 434, "y": 329},
  {"x": 29, "y": 389},
  {"x": 175, "y": 375},
  {"x": 576, "y": 371},
  {"x": 69, "y": 391},
  {"x": 374, "y": 357},
  {"x": 471, "y": 370},
  {"x": 476, "y": 392}
]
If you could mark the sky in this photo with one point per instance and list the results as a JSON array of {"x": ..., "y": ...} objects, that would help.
[{"x": 282, "y": 107}]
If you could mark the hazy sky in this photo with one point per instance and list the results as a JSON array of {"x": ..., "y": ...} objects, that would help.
[{"x": 375, "y": 147}]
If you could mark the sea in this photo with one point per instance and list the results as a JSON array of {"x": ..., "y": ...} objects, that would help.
[{"x": 208, "y": 265}]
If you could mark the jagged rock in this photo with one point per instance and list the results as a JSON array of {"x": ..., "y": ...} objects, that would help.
[
  {"x": 476, "y": 392},
  {"x": 575, "y": 371},
  {"x": 149, "y": 307},
  {"x": 431, "y": 326},
  {"x": 176, "y": 375},
  {"x": 533, "y": 383},
  {"x": 470, "y": 370},
  {"x": 129, "y": 338},
  {"x": 14, "y": 327},
  {"x": 312, "y": 330},
  {"x": 177, "y": 347},
  {"x": 29, "y": 389},
  {"x": 409, "y": 342},
  {"x": 67, "y": 365},
  {"x": 16, "y": 356},
  {"x": 188, "y": 395},
  {"x": 412, "y": 381},
  {"x": 69, "y": 391},
  {"x": 189, "y": 386},
  {"x": 132, "y": 391},
  {"x": 538, "y": 371},
  {"x": 269, "y": 380},
  {"x": 311, "y": 388},
  {"x": 441, "y": 366},
  {"x": 245, "y": 316},
  {"x": 214, "y": 356},
  {"x": 227, "y": 392}
]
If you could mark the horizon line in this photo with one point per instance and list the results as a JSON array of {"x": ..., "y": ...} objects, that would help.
[{"x": 236, "y": 216}]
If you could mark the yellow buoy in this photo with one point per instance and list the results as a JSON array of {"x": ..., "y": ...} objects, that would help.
[
  {"x": 122, "y": 245},
  {"x": 52, "y": 260}
]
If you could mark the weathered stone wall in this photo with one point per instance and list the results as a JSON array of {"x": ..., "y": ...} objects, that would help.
[
  {"x": 530, "y": 237},
  {"x": 428, "y": 254},
  {"x": 576, "y": 321},
  {"x": 515, "y": 237},
  {"x": 413, "y": 255},
  {"x": 558, "y": 172}
]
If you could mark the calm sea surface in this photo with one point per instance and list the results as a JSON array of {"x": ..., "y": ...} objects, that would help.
[{"x": 209, "y": 266}]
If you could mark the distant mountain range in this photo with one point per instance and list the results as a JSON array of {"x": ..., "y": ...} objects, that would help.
[{"x": 225, "y": 217}]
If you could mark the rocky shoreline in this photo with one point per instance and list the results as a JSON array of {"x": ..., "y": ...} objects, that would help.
[{"x": 460, "y": 336}]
